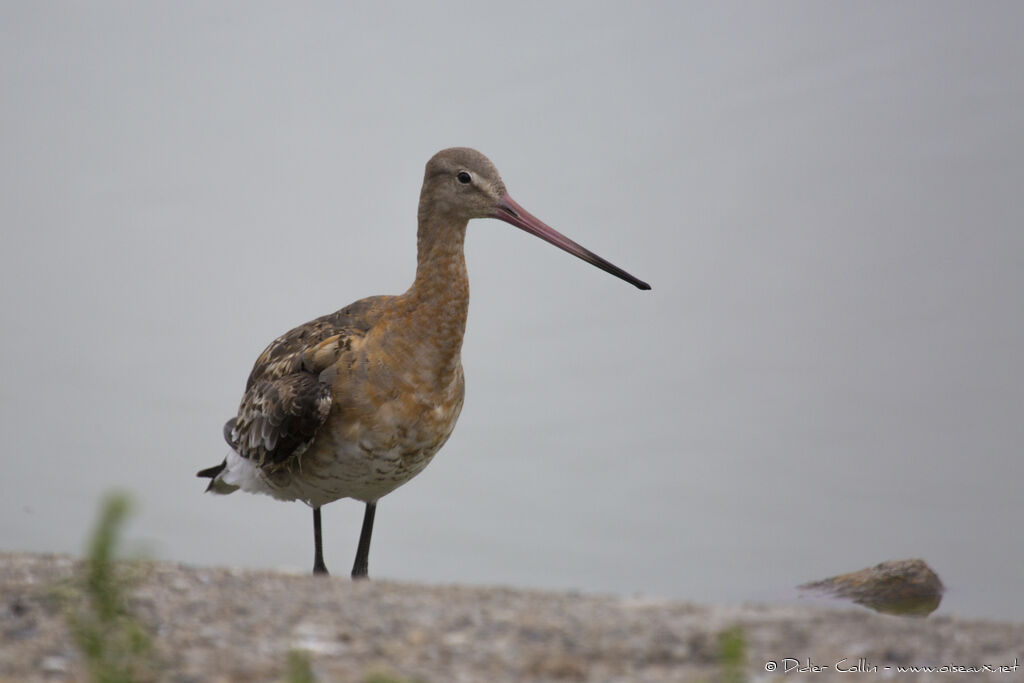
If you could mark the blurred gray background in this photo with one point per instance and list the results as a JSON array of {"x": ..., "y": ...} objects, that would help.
[{"x": 826, "y": 197}]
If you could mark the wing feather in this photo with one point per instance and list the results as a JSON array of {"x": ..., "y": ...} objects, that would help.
[{"x": 288, "y": 395}]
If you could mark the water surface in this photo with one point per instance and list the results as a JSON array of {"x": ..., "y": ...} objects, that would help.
[{"x": 825, "y": 197}]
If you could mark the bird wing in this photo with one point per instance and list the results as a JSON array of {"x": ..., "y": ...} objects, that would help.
[{"x": 288, "y": 395}]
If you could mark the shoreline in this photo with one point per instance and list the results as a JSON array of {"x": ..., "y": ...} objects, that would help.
[{"x": 223, "y": 624}]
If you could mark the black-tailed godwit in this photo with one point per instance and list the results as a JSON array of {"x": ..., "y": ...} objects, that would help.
[{"x": 356, "y": 403}]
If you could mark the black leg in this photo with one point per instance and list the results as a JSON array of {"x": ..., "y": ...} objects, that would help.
[
  {"x": 318, "y": 557},
  {"x": 361, "y": 567}
]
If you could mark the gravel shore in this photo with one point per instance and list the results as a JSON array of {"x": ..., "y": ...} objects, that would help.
[{"x": 214, "y": 624}]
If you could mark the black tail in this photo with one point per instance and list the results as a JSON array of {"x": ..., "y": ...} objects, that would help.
[{"x": 212, "y": 472}]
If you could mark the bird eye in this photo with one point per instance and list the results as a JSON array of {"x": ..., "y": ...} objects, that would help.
[{"x": 464, "y": 177}]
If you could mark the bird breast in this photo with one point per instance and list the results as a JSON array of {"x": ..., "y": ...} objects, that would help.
[{"x": 389, "y": 416}]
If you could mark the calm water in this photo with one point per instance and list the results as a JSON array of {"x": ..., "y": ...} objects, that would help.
[{"x": 826, "y": 199}]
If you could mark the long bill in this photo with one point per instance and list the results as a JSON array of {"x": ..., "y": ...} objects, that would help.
[{"x": 508, "y": 210}]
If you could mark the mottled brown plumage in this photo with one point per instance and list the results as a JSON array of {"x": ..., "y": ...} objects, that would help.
[
  {"x": 357, "y": 402},
  {"x": 288, "y": 396}
]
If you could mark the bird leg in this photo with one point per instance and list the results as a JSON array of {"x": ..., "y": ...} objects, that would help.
[
  {"x": 318, "y": 557},
  {"x": 361, "y": 566}
]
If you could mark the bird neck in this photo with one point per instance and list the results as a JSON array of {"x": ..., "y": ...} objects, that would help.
[{"x": 437, "y": 303}]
